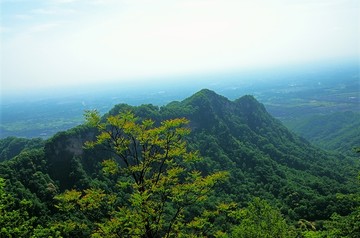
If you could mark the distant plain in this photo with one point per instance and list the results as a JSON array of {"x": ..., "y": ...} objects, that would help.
[{"x": 292, "y": 95}]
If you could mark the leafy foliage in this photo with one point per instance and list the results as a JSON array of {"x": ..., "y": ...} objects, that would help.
[
  {"x": 15, "y": 220},
  {"x": 157, "y": 166},
  {"x": 336, "y": 131},
  {"x": 145, "y": 177},
  {"x": 12, "y": 146},
  {"x": 259, "y": 219}
]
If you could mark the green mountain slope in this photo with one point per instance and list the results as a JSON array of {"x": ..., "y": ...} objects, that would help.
[
  {"x": 263, "y": 157},
  {"x": 335, "y": 131},
  {"x": 12, "y": 146}
]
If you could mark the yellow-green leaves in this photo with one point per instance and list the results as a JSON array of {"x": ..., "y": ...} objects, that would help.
[
  {"x": 67, "y": 201},
  {"x": 92, "y": 117},
  {"x": 92, "y": 199},
  {"x": 161, "y": 182},
  {"x": 176, "y": 123},
  {"x": 259, "y": 219},
  {"x": 192, "y": 157},
  {"x": 146, "y": 124},
  {"x": 87, "y": 200},
  {"x": 110, "y": 167}
]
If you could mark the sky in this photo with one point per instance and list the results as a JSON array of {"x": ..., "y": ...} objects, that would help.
[{"x": 55, "y": 43}]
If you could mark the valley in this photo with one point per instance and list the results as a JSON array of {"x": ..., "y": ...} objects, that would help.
[{"x": 292, "y": 96}]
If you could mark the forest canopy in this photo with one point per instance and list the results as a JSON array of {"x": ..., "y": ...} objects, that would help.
[{"x": 202, "y": 167}]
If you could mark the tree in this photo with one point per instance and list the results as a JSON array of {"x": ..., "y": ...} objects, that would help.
[
  {"x": 14, "y": 218},
  {"x": 154, "y": 165},
  {"x": 349, "y": 225},
  {"x": 259, "y": 219}
]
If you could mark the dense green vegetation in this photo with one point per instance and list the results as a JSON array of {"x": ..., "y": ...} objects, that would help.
[
  {"x": 12, "y": 146},
  {"x": 277, "y": 184},
  {"x": 338, "y": 131}
]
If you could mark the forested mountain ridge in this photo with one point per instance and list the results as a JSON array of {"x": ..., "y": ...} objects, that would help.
[
  {"x": 12, "y": 146},
  {"x": 242, "y": 137},
  {"x": 263, "y": 158},
  {"x": 338, "y": 131}
]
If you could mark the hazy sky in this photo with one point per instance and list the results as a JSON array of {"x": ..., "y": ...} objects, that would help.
[{"x": 51, "y": 43}]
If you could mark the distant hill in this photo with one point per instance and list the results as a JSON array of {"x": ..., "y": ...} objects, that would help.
[
  {"x": 12, "y": 146},
  {"x": 263, "y": 157},
  {"x": 338, "y": 131}
]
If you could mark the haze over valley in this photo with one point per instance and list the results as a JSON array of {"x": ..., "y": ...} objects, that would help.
[
  {"x": 169, "y": 118},
  {"x": 289, "y": 94}
]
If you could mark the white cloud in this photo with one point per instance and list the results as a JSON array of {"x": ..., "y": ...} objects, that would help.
[
  {"x": 22, "y": 16},
  {"x": 132, "y": 38},
  {"x": 42, "y": 27},
  {"x": 53, "y": 11},
  {"x": 42, "y": 11},
  {"x": 64, "y": 1},
  {"x": 4, "y": 30},
  {"x": 102, "y": 2}
]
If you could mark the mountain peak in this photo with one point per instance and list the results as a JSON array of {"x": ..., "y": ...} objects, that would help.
[
  {"x": 249, "y": 103},
  {"x": 206, "y": 95},
  {"x": 207, "y": 92}
]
